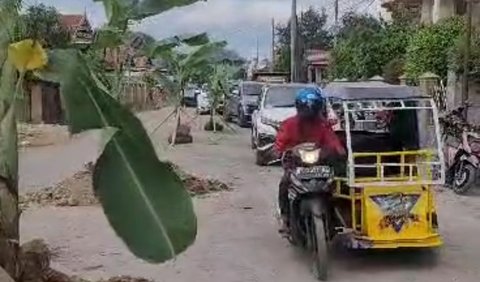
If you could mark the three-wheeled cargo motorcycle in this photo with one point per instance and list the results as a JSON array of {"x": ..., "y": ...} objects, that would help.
[{"x": 382, "y": 195}]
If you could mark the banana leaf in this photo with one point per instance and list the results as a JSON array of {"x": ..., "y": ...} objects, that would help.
[
  {"x": 108, "y": 37},
  {"x": 119, "y": 12},
  {"x": 164, "y": 45},
  {"x": 143, "y": 198}
]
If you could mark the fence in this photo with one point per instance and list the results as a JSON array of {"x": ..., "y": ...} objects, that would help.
[
  {"x": 138, "y": 96},
  {"x": 41, "y": 101}
]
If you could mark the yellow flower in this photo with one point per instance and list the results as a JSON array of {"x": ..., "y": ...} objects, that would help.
[{"x": 27, "y": 55}]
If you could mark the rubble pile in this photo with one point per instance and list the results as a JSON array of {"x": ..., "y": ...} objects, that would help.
[
  {"x": 78, "y": 191},
  {"x": 35, "y": 135}
]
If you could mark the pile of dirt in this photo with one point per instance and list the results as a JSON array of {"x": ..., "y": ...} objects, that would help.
[
  {"x": 125, "y": 279},
  {"x": 35, "y": 259},
  {"x": 77, "y": 190},
  {"x": 35, "y": 135},
  {"x": 73, "y": 191},
  {"x": 197, "y": 185},
  {"x": 113, "y": 279}
]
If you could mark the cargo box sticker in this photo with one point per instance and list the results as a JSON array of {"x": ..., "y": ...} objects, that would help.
[{"x": 396, "y": 209}]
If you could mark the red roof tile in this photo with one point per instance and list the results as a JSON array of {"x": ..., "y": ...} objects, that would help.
[{"x": 71, "y": 21}]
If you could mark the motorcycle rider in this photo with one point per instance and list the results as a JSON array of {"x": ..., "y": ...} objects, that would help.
[{"x": 310, "y": 124}]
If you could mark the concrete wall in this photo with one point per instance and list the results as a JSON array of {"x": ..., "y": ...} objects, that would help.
[
  {"x": 435, "y": 10},
  {"x": 442, "y": 9},
  {"x": 454, "y": 96},
  {"x": 36, "y": 111},
  {"x": 427, "y": 11}
]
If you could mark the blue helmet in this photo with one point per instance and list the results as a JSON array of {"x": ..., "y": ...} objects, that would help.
[{"x": 309, "y": 102}]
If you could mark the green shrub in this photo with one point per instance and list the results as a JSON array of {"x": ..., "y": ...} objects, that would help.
[{"x": 430, "y": 47}]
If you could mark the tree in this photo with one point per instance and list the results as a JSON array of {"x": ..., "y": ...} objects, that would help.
[
  {"x": 156, "y": 224},
  {"x": 43, "y": 23},
  {"x": 185, "y": 58},
  {"x": 219, "y": 85},
  {"x": 312, "y": 33},
  {"x": 431, "y": 46},
  {"x": 366, "y": 45},
  {"x": 221, "y": 56}
]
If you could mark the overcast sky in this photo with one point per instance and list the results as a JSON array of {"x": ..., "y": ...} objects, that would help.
[{"x": 240, "y": 22}]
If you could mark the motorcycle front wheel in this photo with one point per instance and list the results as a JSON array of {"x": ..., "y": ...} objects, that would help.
[
  {"x": 464, "y": 178},
  {"x": 320, "y": 251}
]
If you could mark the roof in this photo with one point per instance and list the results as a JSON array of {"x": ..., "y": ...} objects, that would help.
[
  {"x": 283, "y": 85},
  {"x": 252, "y": 82},
  {"x": 317, "y": 57},
  {"x": 270, "y": 73},
  {"x": 72, "y": 21},
  {"x": 370, "y": 90}
]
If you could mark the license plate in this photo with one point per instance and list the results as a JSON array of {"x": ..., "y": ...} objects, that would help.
[{"x": 313, "y": 172}]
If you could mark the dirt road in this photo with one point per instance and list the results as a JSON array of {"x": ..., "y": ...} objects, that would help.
[{"x": 237, "y": 239}]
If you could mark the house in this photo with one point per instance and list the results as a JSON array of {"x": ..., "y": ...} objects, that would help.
[
  {"x": 79, "y": 29},
  {"x": 431, "y": 11},
  {"x": 317, "y": 62},
  {"x": 44, "y": 103}
]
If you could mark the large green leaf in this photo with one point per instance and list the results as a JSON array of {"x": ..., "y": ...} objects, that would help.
[
  {"x": 108, "y": 37},
  {"x": 167, "y": 44},
  {"x": 146, "y": 8},
  {"x": 143, "y": 198},
  {"x": 201, "y": 55},
  {"x": 120, "y": 11},
  {"x": 9, "y": 21}
]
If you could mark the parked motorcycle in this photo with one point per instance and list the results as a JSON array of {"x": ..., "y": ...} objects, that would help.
[{"x": 464, "y": 172}]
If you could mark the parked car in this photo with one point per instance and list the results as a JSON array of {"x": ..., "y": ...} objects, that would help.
[
  {"x": 203, "y": 103},
  {"x": 276, "y": 104},
  {"x": 242, "y": 102},
  {"x": 190, "y": 96}
]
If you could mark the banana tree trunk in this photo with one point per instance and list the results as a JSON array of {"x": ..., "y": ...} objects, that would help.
[
  {"x": 177, "y": 124},
  {"x": 9, "y": 226},
  {"x": 9, "y": 212},
  {"x": 214, "y": 125}
]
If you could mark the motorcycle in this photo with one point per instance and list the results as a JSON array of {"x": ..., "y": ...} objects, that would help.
[
  {"x": 311, "y": 221},
  {"x": 309, "y": 192},
  {"x": 464, "y": 172}
]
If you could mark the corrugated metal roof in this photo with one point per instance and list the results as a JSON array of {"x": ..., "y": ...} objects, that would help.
[{"x": 371, "y": 90}]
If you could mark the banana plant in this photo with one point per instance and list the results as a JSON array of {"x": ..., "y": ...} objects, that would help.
[
  {"x": 142, "y": 197},
  {"x": 183, "y": 57},
  {"x": 121, "y": 12},
  {"x": 219, "y": 86}
]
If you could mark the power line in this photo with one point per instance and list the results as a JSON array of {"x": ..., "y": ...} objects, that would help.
[{"x": 369, "y": 5}]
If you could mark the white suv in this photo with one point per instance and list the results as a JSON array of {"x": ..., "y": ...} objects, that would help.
[{"x": 276, "y": 104}]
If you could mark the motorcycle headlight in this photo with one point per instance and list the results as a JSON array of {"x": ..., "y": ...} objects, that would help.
[{"x": 309, "y": 156}]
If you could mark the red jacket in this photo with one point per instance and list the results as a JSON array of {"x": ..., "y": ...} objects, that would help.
[{"x": 293, "y": 132}]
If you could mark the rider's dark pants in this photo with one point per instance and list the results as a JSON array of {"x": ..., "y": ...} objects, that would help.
[{"x": 283, "y": 196}]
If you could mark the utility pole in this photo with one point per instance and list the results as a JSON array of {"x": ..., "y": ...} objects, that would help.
[
  {"x": 466, "y": 56},
  {"x": 273, "y": 44},
  {"x": 336, "y": 23},
  {"x": 293, "y": 43},
  {"x": 257, "y": 60}
]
